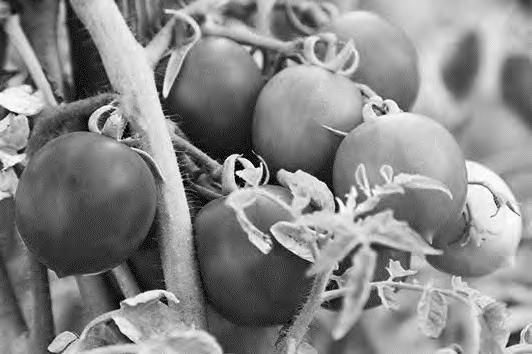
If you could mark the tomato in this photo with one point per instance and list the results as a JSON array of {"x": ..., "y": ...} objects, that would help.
[
  {"x": 384, "y": 255},
  {"x": 388, "y": 59},
  {"x": 413, "y": 144},
  {"x": 290, "y": 112},
  {"x": 502, "y": 232},
  {"x": 244, "y": 285},
  {"x": 84, "y": 203},
  {"x": 516, "y": 85},
  {"x": 214, "y": 95}
]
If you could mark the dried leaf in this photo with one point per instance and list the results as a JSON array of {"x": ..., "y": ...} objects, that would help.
[
  {"x": 359, "y": 290},
  {"x": 14, "y": 132},
  {"x": 306, "y": 186},
  {"x": 432, "y": 312},
  {"x": 238, "y": 201},
  {"x": 20, "y": 100},
  {"x": 295, "y": 238}
]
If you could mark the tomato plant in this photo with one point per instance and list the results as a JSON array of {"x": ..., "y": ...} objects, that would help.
[
  {"x": 84, "y": 203},
  {"x": 291, "y": 110},
  {"x": 388, "y": 59},
  {"x": 214, "y": 95},
  {"x": 484, "y": 238},
  {"x": 413, "y": 144},
  {"x": 384, "y": 255},
  {"x": 243, "y": 284}
]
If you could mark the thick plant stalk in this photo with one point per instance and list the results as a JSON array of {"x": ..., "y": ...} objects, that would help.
[
  {"x": 42, "y": 321},
  {"x": 131, "y": 75},
  {"x": 12, "y": 323},
  {"x": 96, "y": 294},
  {"x": 39, "y": 20}
]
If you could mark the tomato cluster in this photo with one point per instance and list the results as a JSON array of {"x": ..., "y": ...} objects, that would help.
[{"x": 86, "y": 203}]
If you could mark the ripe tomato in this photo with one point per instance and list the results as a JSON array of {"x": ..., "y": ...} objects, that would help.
[
  {"x": 243, "y": 284},
  {"x": 290, "y": 112},
  {"x": 384, "y": 255},
  {"x": 502, "y": 232},
  {"x": 413, "y": 144},
  {"x": 388, "y": 59},
  {"x": 84, "y": 203},
  {"x": 214, "y": 96}
]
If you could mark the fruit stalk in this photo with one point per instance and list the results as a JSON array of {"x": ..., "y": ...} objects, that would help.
[
  {"x": 131, "y": 75},
  {"x": 95, "y": 294},
  {"x": 126, "y": 280}
]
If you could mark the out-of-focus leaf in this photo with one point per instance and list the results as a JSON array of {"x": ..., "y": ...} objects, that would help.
[
  {"x": 432, "y": 312},
  {"x": 359, "y": 290},
  {"x": 62, "y": 342},
  {"x": 183, "y": 342},
  {"x": 8, "y": 183},
  {"x": 388, "y": 297},
  {"x": 494, "y": 332},
  {"x": 526, "y": 335}
]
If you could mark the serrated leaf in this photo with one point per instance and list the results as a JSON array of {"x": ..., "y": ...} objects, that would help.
[
  {"x": 346, "y": 237},
  {"x": 306, "y": 186},
  {"x": 8, "y": 183},
  {"x": 494, "y": 331},
  {"x": 421, "y": 182},
  {"x": 175, "y": 63},
  {"x": 60, "y": 343},
  {"x": 396, "y": 270},
  {"x": 354, "y": 301},
  {"x": 14, "y": 132},
  {"x": 295, "y": 238},
  {"x": 238, "y": 201},
  {"x": 526, "y": 335},
  {"x": 388, "y": 297},
  {"x": 145, "y": 317},
  {"x": 183, "y": 342},
  {"x": 20, "y": 100},
  {"x": 384, "y": 229},
  {"x": 432, "y": 312}
]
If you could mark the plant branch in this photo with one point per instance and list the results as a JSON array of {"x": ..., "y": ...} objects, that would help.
[
  {"x": 126, "y": 280},
  {"x": 22, "y": 45},
  {"x": 95, "y": 294},
  {"x": 39, "y": 20},
  {"x": 519, "y": 349},
  {"x": 158, "y": 46},
  {"x": 131, "y": 75}
]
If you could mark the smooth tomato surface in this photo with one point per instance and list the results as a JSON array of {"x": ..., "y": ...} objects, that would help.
[
  {"x": 502, "y": 232},
  {"x": 388, "y": 59},
  {"x": 84, "y": 203},
  {"x": 244, "y": 285},
  {"x": 214, "y": 96},
  {"x": 291, "y": 110},
  {"x": 412, "y": 144}
]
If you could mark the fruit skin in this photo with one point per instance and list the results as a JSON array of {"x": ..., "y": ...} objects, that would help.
[
  {"x": 388, "y": 59},
  {"x": 384, "y": 254},
  {"x": 409, "y": 143},
  {"x": 214, "y": 96},
  {"x": 84, "y": 203},
  {"x": 290, "y": 112},
  {"x": 499, "y": 249},
  {"x": 244, "y": 285}
]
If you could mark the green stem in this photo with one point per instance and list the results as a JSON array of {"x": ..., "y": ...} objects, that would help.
[
  {"x": 519, "y": 349},
  {"x": 126, "y": 280},
  {"x": 300, "y": 326},
  {"x": 42, "y": 322}
]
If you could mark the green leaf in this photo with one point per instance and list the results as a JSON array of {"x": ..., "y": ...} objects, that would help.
[
  {"x": 396, "y": 270},
  {"x": 359, "y": 290},
  {"x": 175, "y": 63},
  {"x": 421, "y": 182},
  {"x": 295, "y": 238}
]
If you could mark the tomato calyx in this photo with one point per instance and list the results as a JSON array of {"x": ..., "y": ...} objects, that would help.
[
  {"x": 500, "y": 199},
  {"x": 250, "y": 175}
]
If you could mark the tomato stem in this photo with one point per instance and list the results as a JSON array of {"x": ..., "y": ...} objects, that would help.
[
  {"x": 131, "y": 75},
  {"x": 126, "y": 280},
  {"x": 95, "y": 294},
  {"x": 295, "y": 334}
]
